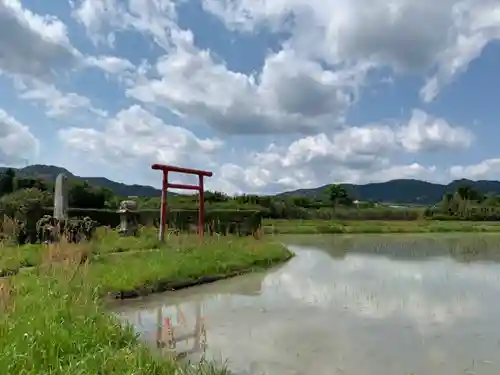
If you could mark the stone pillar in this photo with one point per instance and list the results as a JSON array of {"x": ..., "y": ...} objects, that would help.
[
  {"x": 61, "y": 197},
  {"x": 129, "y": 223}
]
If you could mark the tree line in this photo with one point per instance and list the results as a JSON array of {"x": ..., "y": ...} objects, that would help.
[
  {"x": 467, "y": 203},
  {"x": 16, "y": 189},
  {"x": 80, "y": 193},
  {"x": 335, "y": 202}
]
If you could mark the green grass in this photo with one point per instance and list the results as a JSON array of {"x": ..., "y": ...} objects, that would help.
[
  {"x": 54, "y": 326},
  {"x": 53, "y": 319},
  {"x": 376, "y": 226},
  {"x": 186, "y": 262},
  {"x": 110, "y": 241},
  {"x": 13, "y": 257}
]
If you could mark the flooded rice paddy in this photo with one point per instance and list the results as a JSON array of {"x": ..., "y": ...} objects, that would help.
[{"x": 360, "y": 305}]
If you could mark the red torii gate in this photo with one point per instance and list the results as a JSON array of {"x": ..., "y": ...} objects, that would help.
[{"x": 165, "y": 185}]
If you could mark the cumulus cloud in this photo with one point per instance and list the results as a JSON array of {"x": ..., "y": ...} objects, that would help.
[
  {"x": 477, "y": 23},
  {"x": 104, "y": 18},
  {"x": 311, "y": 83},
  {"x": 110, "y": 64},
  {"x": 354, "y": 154},
  {"x": 16, "y": 141},
  {"x": 34, "y": 49},
  {"x": 484, "y": 170},
  {"x": 57, "y": 103},
  {"x": 291, "y": 94},
  {"x": 39, "y": 45},
  {"x": 426, "y": 133},
  {"x": 438, "y": 38},
  {"x": 136, "y": 137},
  {"x": 31, "y": 44},
  {"x": 306, "y": 88}
]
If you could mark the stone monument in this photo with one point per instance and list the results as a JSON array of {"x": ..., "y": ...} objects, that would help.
[
  {"x": 129, "y": 218},
  {"x": 61, "y": 197}
]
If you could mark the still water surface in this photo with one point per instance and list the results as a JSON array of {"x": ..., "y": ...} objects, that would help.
[{"x": 364, "y": 305}]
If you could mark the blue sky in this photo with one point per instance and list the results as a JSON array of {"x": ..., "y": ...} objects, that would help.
[{"x": 270, "y": 95}]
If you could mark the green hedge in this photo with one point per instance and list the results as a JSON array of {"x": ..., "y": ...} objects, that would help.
[
  {"x": 345, "y": 213},
  {"x": 378, "y": 213},
  {"x": 243, "y": 222}
]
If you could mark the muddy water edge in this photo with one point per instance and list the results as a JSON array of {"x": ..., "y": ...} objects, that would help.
[{"x": 360, "y": 305}]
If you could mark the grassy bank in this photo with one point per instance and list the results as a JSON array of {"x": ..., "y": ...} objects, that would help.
[
  {"x": 185, "y": 264},
  {"x": 53, "y": 319},
  {"x": 13, "y": 257},
  {"x": 376, "y": 226}
]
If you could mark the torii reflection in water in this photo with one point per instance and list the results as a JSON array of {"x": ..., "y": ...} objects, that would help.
[{"x": 166, "y": 338}]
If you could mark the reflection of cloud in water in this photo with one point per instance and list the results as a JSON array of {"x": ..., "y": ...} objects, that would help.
[
  {"x": 361, "y": 315},
  {"x": 376, "y": 287}
]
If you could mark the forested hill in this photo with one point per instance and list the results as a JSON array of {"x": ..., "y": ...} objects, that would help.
[
  {"x": 395, "y": 191},
  {"x": 50, "y": 172},
  {"x": 401, "y": 191}
]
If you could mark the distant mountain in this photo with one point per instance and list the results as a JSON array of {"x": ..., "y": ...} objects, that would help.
[
  {"x": 400, "y": 191},
  {"x": 394, "y": 191},
  {"x": 50, "y": 172}
]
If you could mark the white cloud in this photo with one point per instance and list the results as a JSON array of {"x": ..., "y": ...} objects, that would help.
[
  {"x": 237, "y": 179},
  {"x": 413, "y": 170},
  {"x": 477, "y": 23},
  {"x": 104, "y": 18},
  {"x": 352, "y": 293},
  {"x": 484, "y": 170},
  {"x": 291, "y": 94},
  {"x": 110, "y": 64},
  {"x": 306, "y": 87},
  {"x": 31, "y": 44},
  {"x": 406, "y": 35},
  {"x": 135, "y": 136},
  {"x": 17, "y": 144},
  {"x": 57, "y": 103},
  {"x": 35, "y": 48},
  {"x": 38, "y": 45},
  {"x": 426, "y": 133},
  {"x": 118, "y": 68},
  {"x": 90, "y": 13},
  {"x": 190, "y": 83},
  {"x": 311, "y": 83},
  {"x": 355, "y": 154}
]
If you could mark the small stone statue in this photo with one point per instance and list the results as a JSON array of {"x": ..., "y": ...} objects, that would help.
[{"x": 129, "y": 218}]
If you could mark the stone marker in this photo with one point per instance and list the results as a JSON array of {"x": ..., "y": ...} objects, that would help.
[
  {"x": 129, "y": 223},
  {"x": 61, "y": 197}
]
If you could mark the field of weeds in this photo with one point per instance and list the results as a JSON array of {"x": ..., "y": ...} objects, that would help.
[{"x": 53, "y": 319}]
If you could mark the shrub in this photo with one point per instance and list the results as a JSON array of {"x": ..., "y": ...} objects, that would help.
[{"x": 23, "y": 200}]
